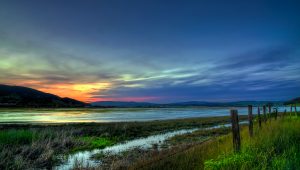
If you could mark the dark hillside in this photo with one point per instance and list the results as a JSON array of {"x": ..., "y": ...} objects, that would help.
[{"x": 18, "y": 96}]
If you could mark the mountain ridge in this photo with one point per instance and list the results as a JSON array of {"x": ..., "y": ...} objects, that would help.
[
  {"x": 19, "y": 96},
  {"x": 183, "y": 104}
]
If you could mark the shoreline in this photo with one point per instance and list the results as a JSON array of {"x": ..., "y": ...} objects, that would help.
[
  {"x": 116, "y": 115},
  {"x": 47, "y": 124},
  {"x": 55, "y": 142},
  {"x": 63, "y": 139}
]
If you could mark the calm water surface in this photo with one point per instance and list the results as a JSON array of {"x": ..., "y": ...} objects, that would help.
[{"x": 112, "y": 115}]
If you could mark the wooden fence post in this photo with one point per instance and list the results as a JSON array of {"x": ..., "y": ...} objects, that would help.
[
  {"x": 295, "y": 107},
  {"x": 264, "y": 111},
  {"x": 276, "y": 113},
  {"x": 269, "y": 112},
  {"x": 259, "y": 117},
  {"x": 235, "y": 130},
  {"x": 250, "y": 117},
  {"x": 291, "y": 110}
]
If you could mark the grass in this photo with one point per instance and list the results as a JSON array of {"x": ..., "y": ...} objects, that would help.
[
  {"x": 16, "y": 137},
  {"x": 297, "y": 104},
  {"x": 37, "y": 146},
  {"x": 274, "y": 146},
  {"x": 192, "y": 158},
  {"x": 92, "y": 142},
  {"x": 33, "y": 148},
  {"x": 173, "y": 145},
  {"x": 98, "y": 142},
  {"x": 199, "y": 135},
  {"x": 28, "y": 146}
]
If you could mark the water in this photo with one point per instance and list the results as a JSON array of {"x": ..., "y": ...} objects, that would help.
[
  {"x": 84, "y": 157},
  {"x": 112, "y": 115}
]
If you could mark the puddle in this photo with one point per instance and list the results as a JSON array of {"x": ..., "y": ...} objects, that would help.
[{"x": 84, "y": 157}]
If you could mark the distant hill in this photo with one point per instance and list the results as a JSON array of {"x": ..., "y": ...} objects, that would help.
[
  {"x": 123, "y": 104},
  {"x": 193, "y": 103},
  {"x": 184, "y": 104},
  {"x": 293, "y": 101},
  {"x": 18, "y": 96},
  {"x": 226, "y": 104}
]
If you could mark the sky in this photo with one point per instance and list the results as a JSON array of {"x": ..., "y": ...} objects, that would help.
[{"x": 152, "y": 50}]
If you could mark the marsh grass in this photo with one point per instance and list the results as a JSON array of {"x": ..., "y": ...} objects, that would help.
[
  {"x": 197, "y": 136},
  {"x": 28, "y": 146},
  {"x": 92, "y": 142},
  {"x": 274, "y": 146},
  {"x": 16, "y": 137},
  {"x": 189, "y": 158},
  {"x": 98, "y": 142},
  {"x": 33, "y": 148}
]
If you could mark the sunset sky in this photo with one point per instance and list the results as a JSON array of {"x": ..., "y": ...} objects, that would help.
[{"x": 152, "y": 50}]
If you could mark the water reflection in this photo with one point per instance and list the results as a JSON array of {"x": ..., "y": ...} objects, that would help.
[
  {"x": 112, "y": 115},
  {"x": 85, "y": 157}
]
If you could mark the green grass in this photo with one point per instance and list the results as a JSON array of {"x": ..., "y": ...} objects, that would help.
[
  {"x": 16, "y": 137},
  {"x": 297, "y": 104},
  {"x": 275, "y": 146},
  {"x": 94, "y": 143},
  {"x": 98, "y": 142},
  {"x": 29, "y": 146},
  {"x": 23, "y": 146},
  {"x": 197, "y": 136}
]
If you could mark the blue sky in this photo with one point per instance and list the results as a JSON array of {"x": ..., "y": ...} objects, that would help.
[{"x": 158, "y": 51}]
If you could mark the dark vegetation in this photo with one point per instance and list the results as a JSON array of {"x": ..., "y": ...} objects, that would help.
[
  {"x": 293, "y": 101},
  {"x": 145, "y": 157},
  {"x": 17, "y": 96},
  {"x": 37, "y": 146},
  {"x": 274, "y": 146}
]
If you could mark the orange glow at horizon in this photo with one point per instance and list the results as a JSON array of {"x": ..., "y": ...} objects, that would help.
[
  {"x": 85, "y": 92},
  {"x": 128, "y": 99},
  {"x": 79, "y": 91}
]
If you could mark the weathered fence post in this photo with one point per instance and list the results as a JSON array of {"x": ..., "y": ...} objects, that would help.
[
  {"x": 250, "y": 117},
  {"x": 269, "y": 112},
  {"x": 291, "y": 110},
  {"x": 284, "y": 113},
  {"x": 258, "y": 114},
  {"x": 276, "y": 113},
  {"x": 264, "y": 111},
  {"x": 235, "y": 130},
  {"x": 295, "y": 106}
]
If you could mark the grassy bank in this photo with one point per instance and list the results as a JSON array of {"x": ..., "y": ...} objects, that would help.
[
  {"x": 274, "y": 146},
  {"x": 37, "y": 146}
]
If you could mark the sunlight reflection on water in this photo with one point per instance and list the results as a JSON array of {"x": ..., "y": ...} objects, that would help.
[{"x": 111, "y": 115}]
